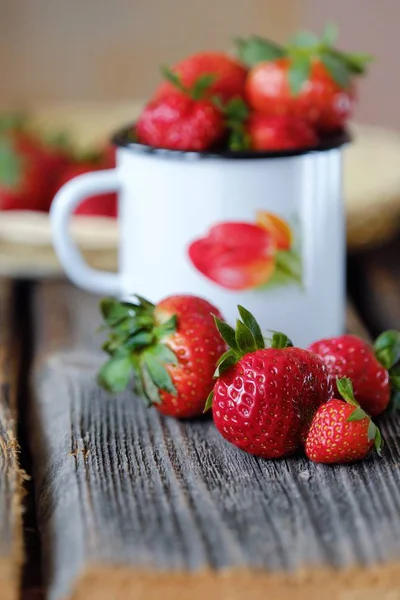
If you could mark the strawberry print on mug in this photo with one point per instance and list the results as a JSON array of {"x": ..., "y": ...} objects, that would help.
[{"x": 240, "y": 255}]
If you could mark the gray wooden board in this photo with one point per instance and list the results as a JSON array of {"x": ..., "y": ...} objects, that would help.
[
  {"x": 10, "y": 476},
  {"x": 117, "y": 484}
]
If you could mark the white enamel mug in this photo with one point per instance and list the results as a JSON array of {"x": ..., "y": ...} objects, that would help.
[{"x": 265, "y": 230}]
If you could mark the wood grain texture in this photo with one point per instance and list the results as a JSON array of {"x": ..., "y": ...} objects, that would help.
[
  {"x": 10, "y": 475},
  {"x": 134, "y": 505}
]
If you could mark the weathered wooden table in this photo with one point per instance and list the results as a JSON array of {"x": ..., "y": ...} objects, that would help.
[{"x": 129, "y": 504}]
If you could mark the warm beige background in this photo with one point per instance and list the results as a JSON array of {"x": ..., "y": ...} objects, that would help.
[{"x": 57, "y": 50}]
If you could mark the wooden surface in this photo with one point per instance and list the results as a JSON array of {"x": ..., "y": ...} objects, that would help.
[
  {"x": 10, "y": 476},
  {"x": 133, "y": 505}
]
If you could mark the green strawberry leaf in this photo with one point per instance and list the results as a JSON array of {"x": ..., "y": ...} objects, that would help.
[
  {"x": 244, "y": 338},
  {"x": 164, "y": 354},
  {"x": 236, "y": 110},
  {"x": 252, "y": 324},
  {"x": 201, "y": 86},
  {"x": 239, "y": 139},
  {"x": 151, "y": 391},
  {"x": 158, "y": 373},
  {"x": 394, "y": 403},
  {"x": 256, "y": 49},
  {"x": 378, "y": 441},
  {"x": 299, "y": 72},
  {"x": 387, "y": 348},
  {"x": 139, "y": 340},
  {"x": 371, "y": 431},
  {"x": 280, "y": 340},
  {"x": 228, "y": 359},
  {"x": 330, "y": 34},
  {"x": 11, "y": 165},
  {"x": 357, "y": 415},
  {"x": 167, "y": 328},
  {"x": 227, "y": 333},
  {"x": 345, "y": 389},
  {"x": 138, "y": 387},
  {"x": 209, "y": 401},
  {"x": 145, "y": 304},
  {"x": 356, "y": 63},
  {"x": 337, "y": 67},
  {"x": 173, "y": 78},
  {"x": 115, "y": 374},
  {"x": 113, "y": 310},
  {"x": 304, "y": 39}
]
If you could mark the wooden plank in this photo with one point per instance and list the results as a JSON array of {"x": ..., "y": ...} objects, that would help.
[
  {"x": 11, "y": 477},
  {"x": 134, "y": 505}
]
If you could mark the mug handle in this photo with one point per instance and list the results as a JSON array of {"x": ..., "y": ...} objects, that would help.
[{"x": 62, "y": 207}]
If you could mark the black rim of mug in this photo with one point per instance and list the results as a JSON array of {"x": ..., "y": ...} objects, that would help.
[{"x": 123, "y": 139}]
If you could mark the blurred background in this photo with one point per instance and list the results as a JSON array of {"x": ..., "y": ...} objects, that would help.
[
  {"x": 85, "y": 50},
  {"x": 85, "y": 67}
]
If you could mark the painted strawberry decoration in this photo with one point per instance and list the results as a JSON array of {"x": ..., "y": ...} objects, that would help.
[
  {"x": 170, "y": 350},
  {"x": 229, "y": 75},
  {"x": 264, "y": 399},
  {"x": 373, "y": 370},
  {"x": 341, "y": 431},
  {"x": 242, "y": 256},
  {"x": 235, "y": 255},
  {"x": 308, "y": 79}
]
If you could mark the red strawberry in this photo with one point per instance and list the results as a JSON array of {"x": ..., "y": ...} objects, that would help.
[
  {"x": 235, "y": 255},
  {"x": 179, "y": 122},
  {"x": 308, "y": 79},
  {"x": 229, "y": 75},
  {"x": 279, "y": 133},
  {"x": 171, "y": 349},
  {"x": 341, "y": 431},
  {"x": 265, "y": 398},
  {"x": 372, "y": 371},
  {"x": 100, "y": 205},
  {"x": 23, "y": 173}
]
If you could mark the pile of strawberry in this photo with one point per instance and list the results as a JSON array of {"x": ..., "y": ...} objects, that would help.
[
  {"x": 33, "y": 169},
  {"x": 268, "y": 398},
  {"x": 270, "y": 97}
]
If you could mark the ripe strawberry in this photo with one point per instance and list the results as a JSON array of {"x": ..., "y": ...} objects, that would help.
[
  {"x": 171, "y": 349},
  {"x": 307, "y": 79},
  {"x": 265, "y": 398},
  {"x": 235, "y": 255},
  {"x": 373, "y": 371},
  {"x": 229, "y": 75},
  {"x": 102, "y": 204},
  {"x": 341, "y": 431},
  {"x": 23, "y": 173},
  {"x": 180, "y": 122},
  {"x": 279, "y": 133}
]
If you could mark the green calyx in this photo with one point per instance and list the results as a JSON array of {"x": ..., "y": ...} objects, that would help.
[
  {"x": 345, "y": 388},
  {"x": 245, "y": 338},
  {"x": 136, "y": 347},
  {"x": 199, "y": 89},
  {"x": 387, "y": 352},
  {"x": 302, "y": 50},
  {"x": 235, "y": 112}
]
